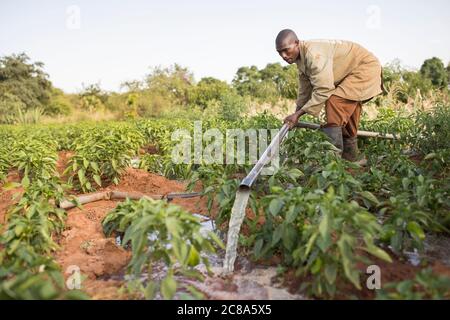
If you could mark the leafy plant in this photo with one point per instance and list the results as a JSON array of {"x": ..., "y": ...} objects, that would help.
[
  {"x": 102, "y": 155},
  {"x": 32, "y": 224},
  {"x": 320, "y": 234},
  {"x": 41, "y": 279},
  {"x": 425, "y": 285},
  {"x": 160, "y": 232}
]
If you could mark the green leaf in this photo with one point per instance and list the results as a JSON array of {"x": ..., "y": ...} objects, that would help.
[
  {"x": 324, "y": 226},
  {"x": 18, "y": 229},
  {"x": 378, "y": 252},
  {"x": 150, "y": 290},
  {"x": 294, "y": 173},
  {"x": 97, "y": 179},
  {"x": 76, "y": 295},
  {"x": 173, "y": 226},
  {"x": 81, "y": 176},
  {"x": 258, "y": 248},
  {"x": 94, "y": 166},
  {"x": 310, "y": 243},
  {"x": 414, "y": 227},
  {"x": 370, "y": 196},
  {"x": 10, "y": 185},
  {"x": 345, "y": 248},
  {"x": 276, "y": 236},
  {"x": 114, "y": 164},
  {"x": 25, "y": 182},
  {"x": 430, "y": 156},
  {"x": 289, "y": 236},
  {"x": 168, "y": 287},
  {"x": 216, "y": 239},
  {"x": 275, "y": 206},
  {"x": 292, "y": 214},
  {"x": 194, "y": 257},
  {"x": 326, "y": 174},
  {"x": 331, "y": 272},
  {"x": 396, "y": 241},
  {"x": 316, "y": 266},
  {"x": 405, "y": 183}
]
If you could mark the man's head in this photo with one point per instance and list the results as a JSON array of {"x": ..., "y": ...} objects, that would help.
[{"x": 287, "y": 45}]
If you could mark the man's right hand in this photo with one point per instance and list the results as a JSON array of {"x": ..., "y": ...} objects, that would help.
[{"x": 292, "y": 119}]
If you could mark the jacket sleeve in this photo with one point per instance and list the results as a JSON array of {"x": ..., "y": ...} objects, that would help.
[
  {"x": 304, "y": 91},
  {"x": 322, "y": 82}
]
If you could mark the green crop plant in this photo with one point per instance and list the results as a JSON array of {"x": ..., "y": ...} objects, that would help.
[
  {"x": 425, "y": 285},
  {"x": 34, "y": 158},
  {"x": 33, "y": 224},
  {"x": 164, "y": 165},
  {"x": 395, "y": 202},
  {"x": 37, "y": 278},
  {"x": 102, "y": 154},
  {"x": 158, "y": 231},
  {"x": 320, "y": 234},
  {"x": 6, "y": 154}
]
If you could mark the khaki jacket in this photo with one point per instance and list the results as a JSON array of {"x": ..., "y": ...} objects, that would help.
[{"x": 338, "y": 67}]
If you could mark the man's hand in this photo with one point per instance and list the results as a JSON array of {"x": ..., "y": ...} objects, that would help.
[{"x": 292, "y": 119}]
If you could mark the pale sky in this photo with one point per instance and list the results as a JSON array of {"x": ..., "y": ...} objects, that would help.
[{"x": 114, "y": 41}]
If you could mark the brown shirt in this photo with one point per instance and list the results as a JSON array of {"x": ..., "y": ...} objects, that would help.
[{"x": 338, "y": 67}]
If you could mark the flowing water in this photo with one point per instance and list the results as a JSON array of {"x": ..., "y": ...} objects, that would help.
[
  {"x": 250, "y": 282},
  {"x": 237, "y": 217}
]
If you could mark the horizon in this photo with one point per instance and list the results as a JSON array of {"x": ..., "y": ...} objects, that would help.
[{"x": 109, "y": 43}]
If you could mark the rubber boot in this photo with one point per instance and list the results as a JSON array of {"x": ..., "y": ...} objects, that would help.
[
  {"x": 350, "y": 152},
  {"x": 335, "y": 135}
]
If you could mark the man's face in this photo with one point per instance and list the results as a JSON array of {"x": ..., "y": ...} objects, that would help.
[{"x": 289, "y": 51}]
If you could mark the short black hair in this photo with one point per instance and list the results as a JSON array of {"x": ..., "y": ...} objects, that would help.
[{"x": 285, "y": 34}]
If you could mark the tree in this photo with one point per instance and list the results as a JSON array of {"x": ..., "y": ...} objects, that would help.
[
  {"x": 93, "y": 97},
  {"x": 207, "y": 90},
  {"x": 434, "y": 70},
  {"x": 24, "y": 80},
  {"x": 171, "y": 83},
  {"x": 270, "y": 83},
  {"x": 60, "y": 103},
  {"x": 448, "y": 72},
  {"x": 247, "y": 80},
  {"x": 284, "y": 77}
]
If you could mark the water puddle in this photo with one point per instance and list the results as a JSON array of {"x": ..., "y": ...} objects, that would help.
[
  {"x": 413, "y": 257},
  {"x": 436, "y": 248}
]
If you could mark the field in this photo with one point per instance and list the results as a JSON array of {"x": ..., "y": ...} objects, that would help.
[{"x": 311, "y": 230}]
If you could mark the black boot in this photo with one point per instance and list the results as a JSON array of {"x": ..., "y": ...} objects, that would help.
[
  {"x": 350, "y": 152},
  {"x": 335, "y": 135}
]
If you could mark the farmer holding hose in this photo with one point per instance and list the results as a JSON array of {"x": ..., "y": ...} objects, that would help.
[{"x": 341, "y": 75}]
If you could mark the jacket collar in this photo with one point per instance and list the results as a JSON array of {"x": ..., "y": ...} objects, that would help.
[{"x": 301, "y": 63}]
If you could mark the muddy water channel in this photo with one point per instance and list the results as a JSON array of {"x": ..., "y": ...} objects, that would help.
[{"x": 249, "y": 281}]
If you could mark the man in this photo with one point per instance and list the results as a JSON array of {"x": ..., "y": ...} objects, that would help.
[{"x": 341, "y": 75}]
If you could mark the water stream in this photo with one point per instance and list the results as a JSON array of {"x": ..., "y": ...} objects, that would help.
[{"x": 237, "y": 217}]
